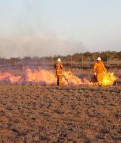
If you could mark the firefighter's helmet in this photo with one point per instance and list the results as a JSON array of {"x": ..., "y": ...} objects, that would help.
[
  {"x": 99, "y": 59},
  {"x": 58, "y": 60}
]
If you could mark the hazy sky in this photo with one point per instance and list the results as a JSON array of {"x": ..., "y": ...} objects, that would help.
[{"x": 53, "y": 27}]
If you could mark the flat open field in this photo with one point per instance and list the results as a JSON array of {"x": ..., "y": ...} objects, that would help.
[{"x": 50, "y": 114}]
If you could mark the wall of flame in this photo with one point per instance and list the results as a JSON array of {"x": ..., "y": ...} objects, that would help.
[{"x": 49, "y": 77}]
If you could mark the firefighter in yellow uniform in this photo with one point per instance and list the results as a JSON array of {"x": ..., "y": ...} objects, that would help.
[
  {"x": 99, "y": 70},
  {"x": 59, "y": 68}
]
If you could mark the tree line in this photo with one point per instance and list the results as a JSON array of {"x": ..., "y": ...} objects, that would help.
[{"x": 77, "y": 58}]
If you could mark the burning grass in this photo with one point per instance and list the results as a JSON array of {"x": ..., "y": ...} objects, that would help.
[
  {"x": 36, "y": 113},
  {"x": 109, "y": 79},
  {"x": 48, "y": 77}
]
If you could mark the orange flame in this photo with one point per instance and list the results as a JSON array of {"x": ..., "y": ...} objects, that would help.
[
  {"x": 69, "y": 78},
  {"x": 9, "y": 77},
  {"x": 108, "y": 79},
  {"x": 49, "y": 77},
  {"x": 40, "y": 76}
]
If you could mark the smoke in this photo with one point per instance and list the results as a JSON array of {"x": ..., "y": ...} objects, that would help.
[
  {"x": 28, "y": 29},
  {"x": 38, "y": 46}
]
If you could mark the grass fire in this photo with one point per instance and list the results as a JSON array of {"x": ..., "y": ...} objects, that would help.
[{"x": 48, "y": 77}]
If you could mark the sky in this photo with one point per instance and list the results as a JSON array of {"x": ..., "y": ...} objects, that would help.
[{"x": 59, "y": 27}]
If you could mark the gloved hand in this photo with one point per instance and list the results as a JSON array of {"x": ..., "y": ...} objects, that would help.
[{"x": 95, "y": 73}]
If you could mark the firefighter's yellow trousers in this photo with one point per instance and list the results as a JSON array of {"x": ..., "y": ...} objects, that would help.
[
  {"x": 59, "y": 80},
  {"x": 100, "y": 78}
]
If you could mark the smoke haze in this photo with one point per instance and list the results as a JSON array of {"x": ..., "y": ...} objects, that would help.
[
  {"x": 58, "y": 27},
  {"x": 38, "y": 46}
]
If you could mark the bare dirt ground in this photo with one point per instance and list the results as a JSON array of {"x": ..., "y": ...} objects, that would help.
[{"x": 50, "y": 114}]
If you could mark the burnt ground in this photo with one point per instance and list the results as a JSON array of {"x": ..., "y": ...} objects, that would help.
[{"x": 49, "y": 114}]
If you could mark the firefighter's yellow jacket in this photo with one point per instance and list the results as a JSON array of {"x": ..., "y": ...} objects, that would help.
[
  {"x": 59, "y": 68},
  {"x": 99, "y": 67}
]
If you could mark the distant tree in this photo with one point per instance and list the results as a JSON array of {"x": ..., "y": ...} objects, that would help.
[{"x": 119, "y": 55}]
